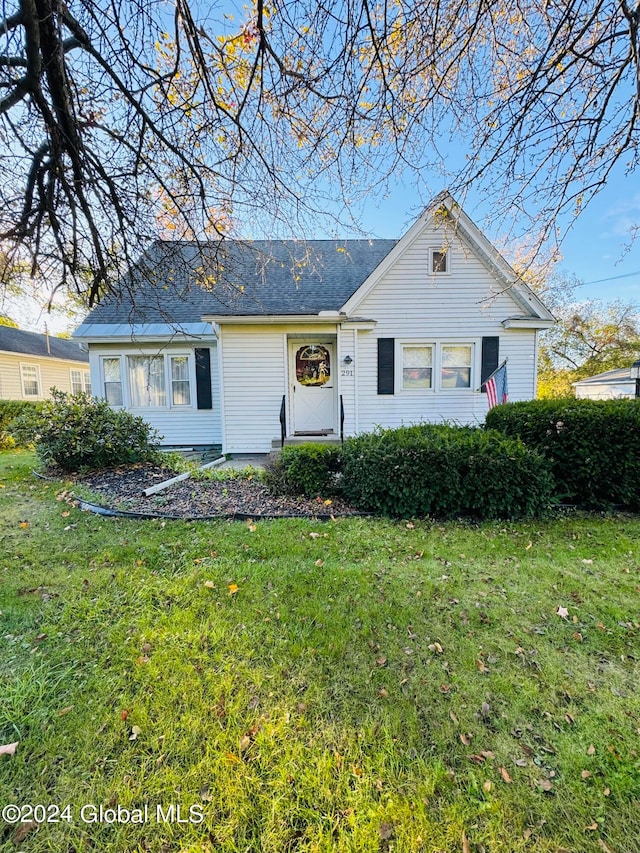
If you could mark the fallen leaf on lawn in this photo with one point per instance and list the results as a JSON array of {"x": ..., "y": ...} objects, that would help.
[
  {"x": 209, "y": 585},
  {"x": 23, "y": 830},
  {"x": 65, "y": 711},
  {"x": 410, "y": 525},
  {"x": 252, "y": 527},
  {"x": 146, "y": 648},
  {"x": 436, "y": 647},
  {"x": 328, "y": 502},
  {"x": 569, "y": 717},
  {"x": 585, "y": 774},
  {"x": 606, "y": 791},
  {"x": 205, "y": 794},
  {"x": 314, "y": 535},
  {"x": 381, "y": 660},
  {"x": 453, "y": 717},
  {"x": 66, "y": 514},
  {"x": 604, "y": 846},
  {"x": 466, "y": 738},
  {"x": 588, "y": 562},
  {"x": 465, "y": 843},
  {"x": 386, "y": 831},
  {"x": 9, "y": 748},
  {"x": 136, "y": 731},
  {"x": 445, "y": 688},
  {"x": 245, "y": 742},
  {"x": 142, "y": 660},
  {"x": 591, "y": 750},
  {"x": 481, "y": 665},
  {"x": 520, "y": 762},
  {"x": 545, "y": 784},
  {"x": 124, "y": 714},
  {"x": 592, "y": 826},
  {"x": 233, "y": 588},
  {"x": 383, "y": 693},
  {"x": 319, "y": 563},
  {"x": 505, "y": 775},
  {"x": 562, "y": 612},
  {"x": 487, "y": 786},
  {"x": 232, "y": 758},
  {"x": 24, "y": 524}
]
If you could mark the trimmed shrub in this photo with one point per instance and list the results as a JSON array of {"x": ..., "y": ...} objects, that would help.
[
  {"x": 309, "y": 469},
  {"x": 445, "y": 471},
  {"x": 80, "y": 432},
  {"x": 9, "y": 411},
  {"x": 591, "y": 445}
]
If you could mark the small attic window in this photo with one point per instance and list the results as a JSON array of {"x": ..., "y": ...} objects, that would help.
[{"x": 439, "y": 261}]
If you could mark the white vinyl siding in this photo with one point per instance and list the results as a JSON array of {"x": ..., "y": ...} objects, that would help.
[{"x": 456, "y": 309}]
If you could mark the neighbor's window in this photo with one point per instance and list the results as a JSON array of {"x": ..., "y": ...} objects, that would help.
[
  {"x": 112, "y": 372},
  {"x": 456, "y": 366},
  {"x": 80, "y": 382},
  {"x": 30, "y": 376},
  {"x": 147, "y": 381},
  {"x": 417, "y": 367},
  {"x": 439, "y": 261},
  {"x": 180, "y": 388}
]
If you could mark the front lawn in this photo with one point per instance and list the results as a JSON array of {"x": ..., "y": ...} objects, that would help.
[{"x": 291, "y": 685}]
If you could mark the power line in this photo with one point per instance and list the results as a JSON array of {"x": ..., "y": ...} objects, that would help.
[{"x": 612, "y": 278}]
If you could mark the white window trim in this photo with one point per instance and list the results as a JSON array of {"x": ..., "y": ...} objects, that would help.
[
  {"x": 26, "y": 396},
  {"x": 436, "y": 370},
  {"x": 85, "y": 379},
  {"x": 447, "y": 252},
  {"x": 166, "y": 355}
]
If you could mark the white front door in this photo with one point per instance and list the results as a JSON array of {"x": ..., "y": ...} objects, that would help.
[{"x": 313, "y": 387}]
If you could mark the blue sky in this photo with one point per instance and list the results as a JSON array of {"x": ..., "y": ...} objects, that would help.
[{"x": 597, "y": 248}]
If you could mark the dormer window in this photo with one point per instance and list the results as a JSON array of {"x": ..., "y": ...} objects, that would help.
[{"x": 439, "y": 261}]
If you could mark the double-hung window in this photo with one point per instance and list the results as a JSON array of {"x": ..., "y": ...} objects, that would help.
[
  {"x": 30, "y": 377},
  {"x": 80, "y": 382},
  {"x": 112, "y": 375},
  {"x": 180, "y": 385},
  {"x": 456, "y": 366},
  {"x": 417, "y": 367},
  {"x": 147, "y": 384}
]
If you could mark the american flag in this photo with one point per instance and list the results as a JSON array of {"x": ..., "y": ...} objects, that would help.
[{"x": 496, "y": 386}]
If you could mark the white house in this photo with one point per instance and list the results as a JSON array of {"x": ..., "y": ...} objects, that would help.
[
  {"x": 610, "y": 385},
  {"x": 235, "y": 344},
  {"x": 32, "y": 364}
]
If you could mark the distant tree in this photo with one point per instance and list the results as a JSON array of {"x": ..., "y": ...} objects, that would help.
[
  {"x": 122, "y": 120},
  {"x": 7, "y": 321},
  {"x": 590, "y": 337}
]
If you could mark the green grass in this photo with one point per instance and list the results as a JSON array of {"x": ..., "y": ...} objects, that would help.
[{"x": 369, "y": 685}]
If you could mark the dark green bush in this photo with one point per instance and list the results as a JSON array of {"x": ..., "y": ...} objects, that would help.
[
  {"x": 9, "y": 411},
  {"x": 446, "y": 472},
  {"x": 77, "y": 431},
  {"x": 306, "y": 469},
  {"x": 591, "y": 445}
]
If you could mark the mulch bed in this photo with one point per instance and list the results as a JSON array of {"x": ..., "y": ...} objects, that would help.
[{"x": 122, "y": 489}]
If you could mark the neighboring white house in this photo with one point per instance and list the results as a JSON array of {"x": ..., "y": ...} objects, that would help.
[
  {"x": 319, "y": 338},
  {"x": 610, "y": 385},
  {"x": 32, "y": 364}
]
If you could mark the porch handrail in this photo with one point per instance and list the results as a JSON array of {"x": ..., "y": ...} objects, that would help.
[{"x": 283, "y": 420}]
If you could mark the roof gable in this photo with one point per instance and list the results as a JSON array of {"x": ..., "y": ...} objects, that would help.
[{"x": 445, "y": 211}]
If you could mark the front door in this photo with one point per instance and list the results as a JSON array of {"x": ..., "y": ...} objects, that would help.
[{"x": 313, "y": 387}]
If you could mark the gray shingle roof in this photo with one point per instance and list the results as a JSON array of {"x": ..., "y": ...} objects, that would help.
[
  {"x": 181, "y": 282},
  {"x": 31, "y": 343}
]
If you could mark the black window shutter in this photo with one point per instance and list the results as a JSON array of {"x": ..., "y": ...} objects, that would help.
[
  {"x": 386, "y": 365},
  {"x": 490, "y": 352},
  {"x": 203, "y": 378}
]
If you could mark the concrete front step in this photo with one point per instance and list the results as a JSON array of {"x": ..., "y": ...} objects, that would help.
[{"x": 292, "y": 440}]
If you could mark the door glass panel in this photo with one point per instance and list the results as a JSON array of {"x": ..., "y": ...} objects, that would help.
[{"x": 313, "y": 366}]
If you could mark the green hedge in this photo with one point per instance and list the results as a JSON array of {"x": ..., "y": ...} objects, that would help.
[
  {"x": 445, "y": 471},
  {"x": 591, "y": 445},
  {"x": 77, "y": 431},
  {"x": 309, "y": 469},
  {"x": 9, "y": 411}
]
